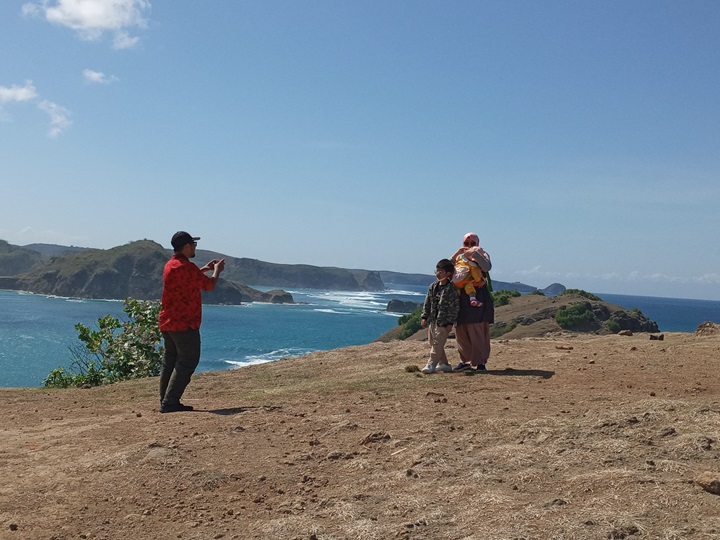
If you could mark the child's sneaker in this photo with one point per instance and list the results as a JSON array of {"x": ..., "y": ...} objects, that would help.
[
  {"x": 474, "y": 302},
  {"x": 445, "y": 368},
  {"x": 428, "y": 369}
]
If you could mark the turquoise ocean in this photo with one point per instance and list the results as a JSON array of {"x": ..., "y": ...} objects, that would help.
[{"x": 37, "y": 332}]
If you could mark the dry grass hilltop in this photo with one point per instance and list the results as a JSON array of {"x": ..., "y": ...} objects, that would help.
[{"x": 566, "y": 436}]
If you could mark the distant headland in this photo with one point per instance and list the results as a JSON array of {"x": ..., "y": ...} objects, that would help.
[{"x": 135, "y": 270}]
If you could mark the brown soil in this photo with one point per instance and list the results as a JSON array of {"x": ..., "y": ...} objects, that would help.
[{"x": 566, "y": 437}]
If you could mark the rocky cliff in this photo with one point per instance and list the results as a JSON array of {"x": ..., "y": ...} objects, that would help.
[
  {"x": 16, "y": 260},
  {"x": 535, "y": 315},
  {"x": 74, "y": 271},
  {"x": 402, "y": 306},
  {"x": 303, "y": 276},
  {"x": 133, "y": 270},
  {"x": 44, "y": 269}
]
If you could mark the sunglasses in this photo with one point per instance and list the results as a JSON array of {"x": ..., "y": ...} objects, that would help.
[{"x": 469, "y": 243}]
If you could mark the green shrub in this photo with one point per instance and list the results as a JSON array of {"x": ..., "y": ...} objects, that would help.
[
  {"x": 502, "y": 297},
  {"x": 116, "y": 351},
  {"x": 613, "y": 326},
  {"x": 410, "y": 324},
  {"x": 499, "y": 329},
  {"x": 538, "y": 292},
  {"x": 580, "y": 292},
  {"x": 575, "y": 316}
]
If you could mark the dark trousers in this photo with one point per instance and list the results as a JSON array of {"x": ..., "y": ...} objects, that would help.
[{"x": 182, "y": 355}]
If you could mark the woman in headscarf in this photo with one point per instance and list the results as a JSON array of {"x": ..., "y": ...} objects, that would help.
[{"x": 472, "y": 331}]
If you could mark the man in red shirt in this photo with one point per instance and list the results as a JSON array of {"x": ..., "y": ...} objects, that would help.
[{"x": 180, "y": 318}]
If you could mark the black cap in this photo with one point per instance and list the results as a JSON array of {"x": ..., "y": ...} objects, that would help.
[{"x": 181, "y": 238}]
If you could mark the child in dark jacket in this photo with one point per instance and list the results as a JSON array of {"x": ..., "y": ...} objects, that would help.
[{"x": 439, "y": 313}]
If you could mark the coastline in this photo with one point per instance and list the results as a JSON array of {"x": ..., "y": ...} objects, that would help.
[{"x": 38, "y": 330}]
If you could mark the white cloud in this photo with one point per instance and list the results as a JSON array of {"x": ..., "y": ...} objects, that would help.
[
  {"x": 659, "y": 277},
  {"x": 59, "y": 117},
  {"x": 30, "y": 10},
  {"x": 709, "y": 279},
  {"x": 18, "y": 93},
  {"x": 98, "y": 77},
  {"x": 91, "y": 19},
  {"x": 30, "y": 235},
  {"x": 123, "y": 40}
]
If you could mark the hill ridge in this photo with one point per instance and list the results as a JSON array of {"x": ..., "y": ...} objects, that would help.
[{"x": 22, "y": 267}]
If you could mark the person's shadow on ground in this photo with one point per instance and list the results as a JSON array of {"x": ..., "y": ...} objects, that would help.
[
  {"x": 512, "y": 372},
  {"x": 239, "y": 410}
]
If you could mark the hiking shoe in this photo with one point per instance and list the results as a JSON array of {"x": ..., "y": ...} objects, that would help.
[
  {"x": 177, "y": 407},
  {"x": 445, "y": 368},
  {"x": 428, "y": 369},
  {"x": 462, "y": 366},
  {"x": 476, "y": 369}
]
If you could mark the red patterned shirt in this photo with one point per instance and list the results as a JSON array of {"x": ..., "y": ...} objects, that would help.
[{"x": 181, "y": 298}]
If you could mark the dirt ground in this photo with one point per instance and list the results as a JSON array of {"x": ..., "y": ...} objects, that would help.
[{"x": 565, "y": 437}]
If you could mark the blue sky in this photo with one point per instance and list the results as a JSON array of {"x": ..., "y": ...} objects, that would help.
[{"x": 579, "y": 139}]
